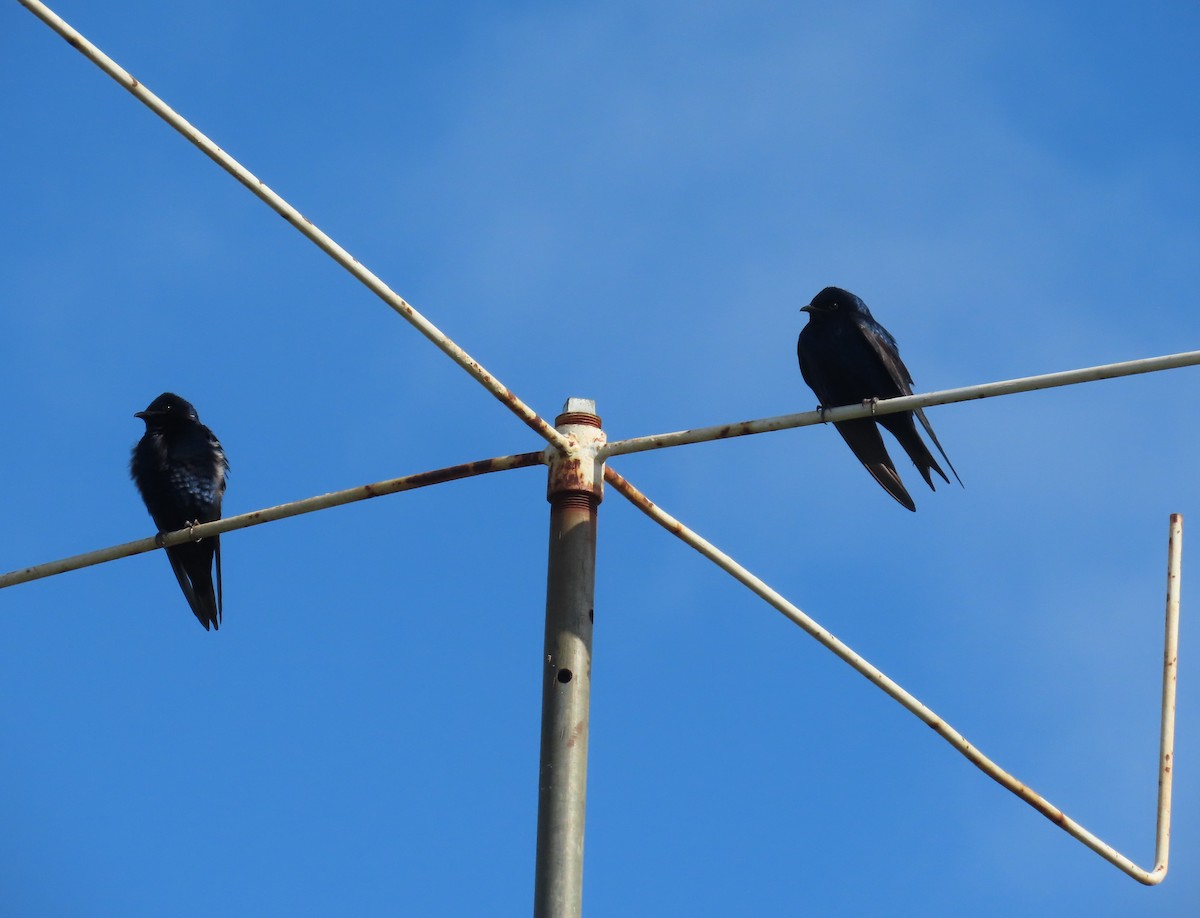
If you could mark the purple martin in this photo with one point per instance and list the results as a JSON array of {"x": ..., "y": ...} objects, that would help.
[
  {"x": 847, "y": 358},
  {"x": 180, "y": 469}
]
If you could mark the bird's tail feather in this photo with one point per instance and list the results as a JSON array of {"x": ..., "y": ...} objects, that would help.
[
  {"x": 904, "y": 430},
  {"x": 932, "y": 436},
  {"x": 864, "y": 439},
  {"x": 217, "y": 558},
  {"x": 192, "y": 564}
]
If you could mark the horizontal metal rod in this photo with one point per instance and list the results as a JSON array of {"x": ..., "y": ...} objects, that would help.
[
  {"x": 906, "y": 403},
  {"x": 257, "y": 517},
  {"x": 298, "y": 220},
  {"x": 908, "y": 701}
]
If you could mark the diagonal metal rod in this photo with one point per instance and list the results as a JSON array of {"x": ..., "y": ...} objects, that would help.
[
  {"x": 282, "y": 511},
  {"x": 298, "y": 220},
  {"x": 906, "y": 403},
  {"x": 944, "y": 730},
  {"x": 490, "y": 382}
]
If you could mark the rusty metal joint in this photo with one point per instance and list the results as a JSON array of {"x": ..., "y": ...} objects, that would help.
[{"x": 577, "y": 471}]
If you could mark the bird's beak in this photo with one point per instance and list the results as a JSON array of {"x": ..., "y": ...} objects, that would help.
[
  {"x": 807, "y": 308},
  {"x": 141, "y": 414}
]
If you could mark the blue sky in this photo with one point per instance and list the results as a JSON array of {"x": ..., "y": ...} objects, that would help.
[{"x": 627, "y": 202}]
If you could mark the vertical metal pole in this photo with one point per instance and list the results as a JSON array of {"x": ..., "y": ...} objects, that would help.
[
  {"x": 574, "y": 491},
  {"x": 1166, "y": 743}
]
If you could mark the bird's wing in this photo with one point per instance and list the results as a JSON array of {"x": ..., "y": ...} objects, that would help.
[
  {"x": 885, "y": 346},
  {"x": 864, "y": 440},
  {"x": 221, "y": 463}
]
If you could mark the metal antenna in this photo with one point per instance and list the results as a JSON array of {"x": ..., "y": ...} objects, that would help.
[{"x": 576, "y": 457}]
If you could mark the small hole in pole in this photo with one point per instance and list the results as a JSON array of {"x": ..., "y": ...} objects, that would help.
[{"x": 564, "y": 676}]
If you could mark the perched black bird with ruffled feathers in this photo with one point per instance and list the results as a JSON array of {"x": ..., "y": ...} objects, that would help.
[
  {"x": 848, "y": 358},
  {"x": 180, "y": 469}
]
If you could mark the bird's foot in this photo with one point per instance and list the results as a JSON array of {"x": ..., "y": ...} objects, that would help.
[
  {"x": 872, "y": 402},
  {"x": 821, "y": 412},
  {"x": 192, "y": 524}
]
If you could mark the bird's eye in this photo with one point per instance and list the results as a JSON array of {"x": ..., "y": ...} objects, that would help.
[{"x": 834, "y": 305}]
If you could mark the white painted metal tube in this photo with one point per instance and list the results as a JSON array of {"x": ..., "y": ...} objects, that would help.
[
  {"x": 906, "y": 403},
  {"x": 1166, "y": 742},
  {"x": 944, "y": 730},
  {"x": 282, "y": 511},
  {"x": 296, "y": 219}
]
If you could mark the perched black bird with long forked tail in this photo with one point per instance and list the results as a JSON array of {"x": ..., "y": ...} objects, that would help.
[
  {"x": 848, "y": 358},
  {"x": 180, "y": 468}
]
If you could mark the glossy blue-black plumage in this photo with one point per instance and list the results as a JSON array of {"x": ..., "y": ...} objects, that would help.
[
  {"x": 180, "y": 469},
  {"x": 847, "y": 358}
]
